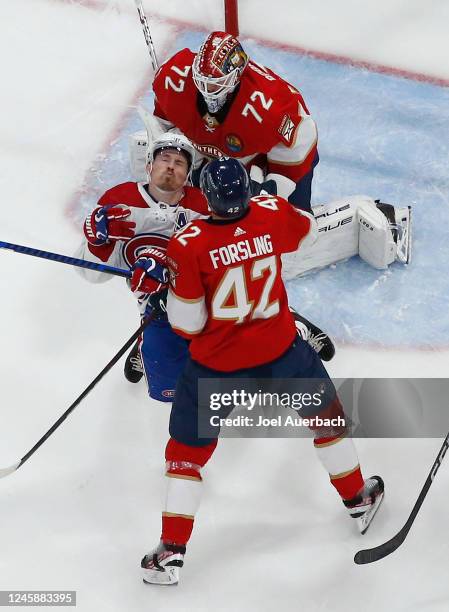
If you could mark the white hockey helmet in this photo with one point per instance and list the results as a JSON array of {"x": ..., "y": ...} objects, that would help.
[
  {"x": 217, "y": 68},
  {"x": 171, "y": 140}
]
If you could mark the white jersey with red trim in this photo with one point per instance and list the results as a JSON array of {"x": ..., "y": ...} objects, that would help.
[{"x": 155, "y": 222}]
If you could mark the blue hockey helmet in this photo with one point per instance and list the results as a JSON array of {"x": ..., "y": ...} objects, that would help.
[{"x": 226, "y": 185}]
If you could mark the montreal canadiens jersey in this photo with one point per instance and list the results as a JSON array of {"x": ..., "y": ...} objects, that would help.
[
  {"x": 226, "y": 293},
  {"x": 265, "y": 112},
  {"x": 155, "y": 224}
]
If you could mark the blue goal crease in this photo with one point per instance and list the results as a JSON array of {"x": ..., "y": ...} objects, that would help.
[{"x": 380, "y": 135}]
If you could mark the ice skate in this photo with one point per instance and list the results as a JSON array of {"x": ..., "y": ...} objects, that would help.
[
  {"x": 365, "y": 504},
  {"x": 400, "y": 220},
  {"x": 133, "y": 369},
  {"x": 162, "y": 564}
]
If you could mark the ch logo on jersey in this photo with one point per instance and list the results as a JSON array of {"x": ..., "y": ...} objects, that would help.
[
  {"x": 168, "y": 393},
  {"x": 234, "y": 143},
  {"x": 134, "y": 247}
]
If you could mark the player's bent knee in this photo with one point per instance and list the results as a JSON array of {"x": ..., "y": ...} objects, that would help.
[
  {"x": 184, "y": 457},
  {"x": 330, "y": 423}
]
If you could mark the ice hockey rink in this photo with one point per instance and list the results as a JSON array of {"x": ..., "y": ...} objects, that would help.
[{"x": 271, "y": 532}]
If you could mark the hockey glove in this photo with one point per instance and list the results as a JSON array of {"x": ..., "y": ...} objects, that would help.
[
  {"x": 108, "y": 224},
  {"x": 313, "y": 335},
  {"x": 265, "y": 188},
  {"x": 150, "y": 274},
  {"x": 158, "y": 303}
]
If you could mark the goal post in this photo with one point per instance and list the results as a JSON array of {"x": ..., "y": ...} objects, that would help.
[{"x": 231, "y": 17}]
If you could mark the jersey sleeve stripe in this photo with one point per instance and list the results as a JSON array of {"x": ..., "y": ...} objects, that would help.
[{"x": 189, "y": 316}]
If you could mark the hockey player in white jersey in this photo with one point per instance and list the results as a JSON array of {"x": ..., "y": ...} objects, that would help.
[{"x": 130, "y": 228}]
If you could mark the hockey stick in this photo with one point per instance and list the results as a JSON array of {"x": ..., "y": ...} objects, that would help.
[
  {"x": 12, "y": 468},
  {"x": 72, "y": 261},
  {"x": 147, "y": 34},
  {"x": 370, "y": 555}
]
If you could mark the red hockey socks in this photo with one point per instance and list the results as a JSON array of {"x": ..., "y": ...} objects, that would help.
[
  {"x": 184, "y": 489},
  {"x": 339, "y": 456}
]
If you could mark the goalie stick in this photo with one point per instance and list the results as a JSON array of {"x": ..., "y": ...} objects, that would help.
[
  {"x": 12, "y": 468},
  {"x": 147, "y": 35},
  {"x": 370, "y": 555}
]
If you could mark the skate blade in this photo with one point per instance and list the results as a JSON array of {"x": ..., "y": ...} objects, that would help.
[
  {"x": 170, "y": 576},
  {"x": 410, "y": 235},
  {"x": 405, "y": 252},
  {"x": 365, "y": 521}
]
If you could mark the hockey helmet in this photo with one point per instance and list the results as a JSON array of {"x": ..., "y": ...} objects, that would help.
[
  {"x": 226, "y": 185},
  {"x": 178, "y": 142},
  {"x": 217, "y": 68}
]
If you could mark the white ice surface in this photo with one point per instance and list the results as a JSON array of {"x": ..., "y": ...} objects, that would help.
[{"x": 271, "y": 533}]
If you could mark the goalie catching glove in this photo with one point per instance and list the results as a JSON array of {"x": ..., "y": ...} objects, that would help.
[{"x": 108, "y": 224}]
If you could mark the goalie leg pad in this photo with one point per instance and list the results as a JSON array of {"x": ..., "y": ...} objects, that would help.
[
  {"x": 376, "y": 241},
  {"x": 338, "y": 239},
  {"x": 138, "y": 147},
  {"x": 139, "y": 141},
  {"x": 358, "y": 225}
]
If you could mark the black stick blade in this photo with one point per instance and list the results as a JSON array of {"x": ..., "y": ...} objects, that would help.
[
  {"x": 379, "y": 552},
  {"x": 369, "y": 555}
]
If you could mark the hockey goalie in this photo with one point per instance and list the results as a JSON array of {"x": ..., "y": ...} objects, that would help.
[{"x": 227, "y": 104}]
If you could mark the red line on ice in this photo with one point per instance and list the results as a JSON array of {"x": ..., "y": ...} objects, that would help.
[{"x": 321, "y": 55}]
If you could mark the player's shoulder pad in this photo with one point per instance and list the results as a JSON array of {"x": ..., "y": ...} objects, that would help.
[
  {"x": 270, "y": 208},
  {"x": 273, "y": 203},
  {"x": 123, "y": 193},
  {"x": 268, "y": 81},
  {"x": 181, "y": 59},
  {"x": 189, "y": 231},
  {"x": 195, "y": 200},
  {"x": 187, "y": 243},
  {"x": 280, "y": 97}
]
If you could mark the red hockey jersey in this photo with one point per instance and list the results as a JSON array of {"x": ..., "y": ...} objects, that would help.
[
  {"x": 265, "y": 113},
  {"x": 226, "y": 292}
]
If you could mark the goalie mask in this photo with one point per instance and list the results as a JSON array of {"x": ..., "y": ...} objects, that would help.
[
  {"x": 217, "y": 68},
  {"x": 177, "y": 142}
]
